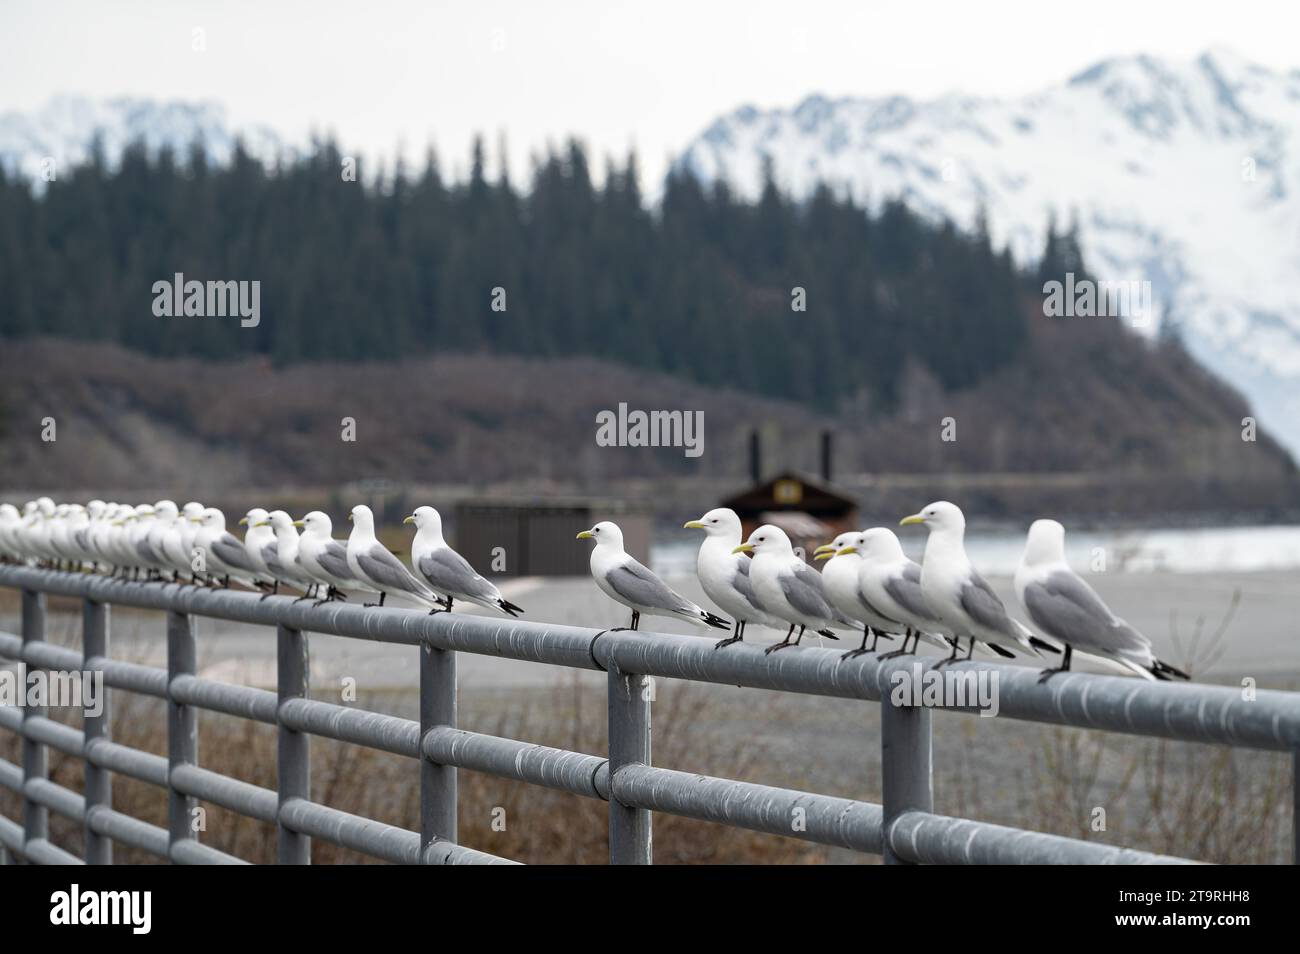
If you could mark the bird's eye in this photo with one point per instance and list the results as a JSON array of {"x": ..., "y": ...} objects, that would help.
[{"x": 714, "y": 520}]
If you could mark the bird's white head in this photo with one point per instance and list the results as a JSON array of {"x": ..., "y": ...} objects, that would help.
[
  {"x": 767, "y": 539},
  {"x": 845, "y": 544},
  {"x": 254, "y": 517},
  {"x": 880, "y": 543},
  {"x": 166, "y": 510},
  {"x": 362, "y": 518},
  {"x": 605, "y": 533},
  {"x": 426, "y": 520},
  {"x": 213, "y": 518},
  {"x": 281, "y": 522},
  {"x": 315, "y": 524},
  {"x": 720, "y": 522},
  {"x": 1045, "y": 543},
  {"x": 939, "y": 515}
]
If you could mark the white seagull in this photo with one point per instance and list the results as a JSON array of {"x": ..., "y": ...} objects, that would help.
[
  {"x": 786, "y": 586},
  {"x": 372, "y": 563},
  {"x": 324, "y": 558},
  {"x": 625, "y": 580},
  {"x": 1063, "y": 606},
  {"x": 842, "y": 583},
  {"x": 446, "y": 570},
  {"x": 962, "y": 598},
  {"x": 724, "y": 574},
  {"x": 892, "y": 582}
]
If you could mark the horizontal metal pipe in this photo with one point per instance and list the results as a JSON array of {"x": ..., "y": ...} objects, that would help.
[
  {"x": 238, "y": 796},
  {"x": 776, "y": 811},
  {"x": 397, "y": 845},
  {"x": 242, "y": 701},
  {"x": 127, "y": 830},
  {"x": 133, "y": 677},
  {"x": 391, "y": 734},
  {"x": 11, "y": 776},
  {"x": 11, "y": 646},
  {"x": 446, "y": 853},
  {"x": 56, "y": 798},
  {"x": 194, "y": 853},
  {"x": 11, "y": 719},
  {"x": 522, "y": 761},
  {"x": 124, "y": 760},
  {"x": 56, "y": 735},
  {"x": 42, "y": 852},
  {"x": 42, "y": 655},
  {"x": 11, "y": 835},
  {"x": 924, "y": 838}
]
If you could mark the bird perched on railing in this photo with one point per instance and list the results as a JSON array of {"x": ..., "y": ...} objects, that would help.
[
  {"x": 446, "y": 571},
  {"x": 282, "y": 557},
  {"x": 324, "y": 558},
  {"x": 625, "y": 580},
  {"x": 962, "y": 598},
  {"x": 892, "y": 582},
  {"x": 1063, "y": 606},
  {"x": 724, "y": 574},
  {"x": 787, "y": 587},
  {"x": 373, "y": 564},
  {"x": 840, "y": 580}
]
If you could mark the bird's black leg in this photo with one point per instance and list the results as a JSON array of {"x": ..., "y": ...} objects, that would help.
[
  {"x": 956, "y": 647},
  {"x": 785, "y": 642},
  {"x": 636, "y": 621},
  {"x": 380, "y": 603},
  {"x": 739, "y": 629},
  {"x": 901, "y": 650},
  {"x": 862, "y": 650},
  {"x": 970, "y": 651},
  {"x": 1047, "y": 674}
]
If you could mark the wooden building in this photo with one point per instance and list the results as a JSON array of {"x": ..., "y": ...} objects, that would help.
[{"x": 809, "y": 510}]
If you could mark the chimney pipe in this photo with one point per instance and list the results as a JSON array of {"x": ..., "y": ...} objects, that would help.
[
  {"x": 827, "y": 443},
  {"x": 755, "y": 457}
]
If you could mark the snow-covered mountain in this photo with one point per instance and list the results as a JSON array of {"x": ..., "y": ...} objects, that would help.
[
  {"x": 65, "y": 128},
  {"x": 1184, "y": 174}
]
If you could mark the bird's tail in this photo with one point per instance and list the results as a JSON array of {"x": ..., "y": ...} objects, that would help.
[
  {"x": 712, "y": 619},
  {"x": 827, "y": 633},
  {"x": 510, "y": 609},
  {"x": 1043, "y": 644},
  {"x": 1164, "y": 671},
  {"x": 995, "y": 648}
]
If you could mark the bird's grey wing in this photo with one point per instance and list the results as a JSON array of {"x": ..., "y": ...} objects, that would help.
[
  {"x": 1068, "y": 608},
  {"x": 145, "y": 551},
  {"x": 802, "y": 587},
  {"x": 636, "y": 584},
  {"x": 743, "y": 585},
  {"x": 905, "y": 590},
  {"x": 271, "y": 552},
  {"x": 388, "y": 571},
  {"x": 447, "y": 570},
  {"x": 983, "y": 606},
  {"x": 334, "y": 561},
  {"x": 231, "y": 552}
]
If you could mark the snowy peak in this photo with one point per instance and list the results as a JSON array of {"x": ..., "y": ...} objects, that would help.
[
  {"x": 1184, "y": 173},
  {"x": 65, "y": 129}
]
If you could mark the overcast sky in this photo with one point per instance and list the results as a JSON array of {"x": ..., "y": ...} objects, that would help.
[{"x": 652, "y": 74}]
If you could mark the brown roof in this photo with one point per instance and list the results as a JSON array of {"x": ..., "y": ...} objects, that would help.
[{"x": 791, "y": 491}]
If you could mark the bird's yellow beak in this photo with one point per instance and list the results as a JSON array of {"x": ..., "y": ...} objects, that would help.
[
  {"x": 584, "y": 535},
  {"x": 262, "y": 523},
  {"x": 825, "y": 552},
  {"x": 117, "y": 523},
  {"x": 196, "y": 519},
  {"x": 693, "y": 525},
  {"x": 914, "y": 518},
  {"x": 410, "y": 519},
  {"x": 825, "y": 548},
  {"x": 844, "y": 550},
  {"x": 349, "y": 518},
  {"x": 744, "y": 548},
  {"x": 243, "y": 521},
  {"x": 299, "y": 523}
]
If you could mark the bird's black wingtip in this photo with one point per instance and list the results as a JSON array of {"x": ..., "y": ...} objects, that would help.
[
  {"x": 1004, "y": 653},
  {"x": 827, "y": 634},
  {"x": 1042, "y": 644},
  {"x": 510, "y": 608},
  {"x": 1162, "y": 670},
  {"x": 716, "y": 621}
]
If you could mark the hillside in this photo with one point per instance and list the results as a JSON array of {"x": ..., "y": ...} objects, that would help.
[
  {"x": 1094, "y": 423},
  {"x": 1183, "y": 173}
]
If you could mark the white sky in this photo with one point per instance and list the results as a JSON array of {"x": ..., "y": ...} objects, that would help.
[{"x": 652, "y": 74}]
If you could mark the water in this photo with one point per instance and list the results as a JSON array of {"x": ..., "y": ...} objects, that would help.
[{"x": 1200, "y": 550}]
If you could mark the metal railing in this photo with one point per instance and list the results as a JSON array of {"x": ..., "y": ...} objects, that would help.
[{"x": 903, "y": 828}]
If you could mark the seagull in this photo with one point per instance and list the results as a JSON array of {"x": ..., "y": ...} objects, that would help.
[
  {"x": 786, "y": 586},
  {"x": 282, "y": 557},
  {"x": 446, "y": 570},
  {"x": 1063, "y": 606},
  {"x": 625, "y": 580},
  {"x": 892, "y": 582},
  {"x": 324, "y": 558},
  {"x": 9, "y": 520},
  {"x": 724, "y": 574},
  {"x": 963, "y": 599},
  {"x": 372, "y": 563},
  {"x": 258, "y": 538},
  {"x": 223, "y": 553},
  {"x": 840, "y": 580}
]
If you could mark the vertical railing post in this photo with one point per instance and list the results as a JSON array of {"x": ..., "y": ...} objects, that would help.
[
  {"x": 629, "y": 744},
  {"x": 99, "y": 781},
  {"x": 1295, "y": 807},
  {"x": 36, "y": 819},
  {"x": 182, "y": 726},
  {"x": 906, "y": 765},
  {"x": 437, "y": 782},
  {"x": 293, "y": 749}
]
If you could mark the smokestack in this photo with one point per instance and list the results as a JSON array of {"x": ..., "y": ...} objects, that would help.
[
  {"x": 755, "y": 457},
  {"x": 827, "y": 446}
]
